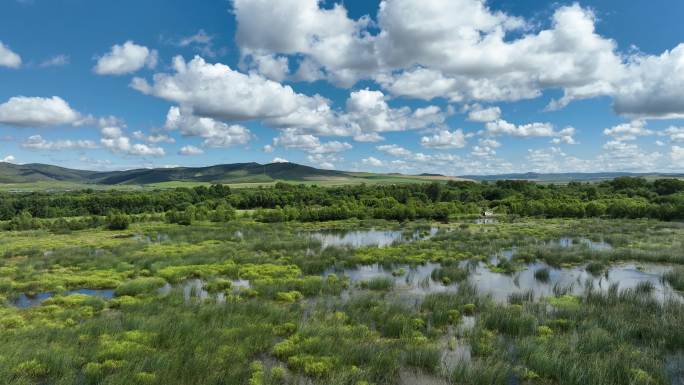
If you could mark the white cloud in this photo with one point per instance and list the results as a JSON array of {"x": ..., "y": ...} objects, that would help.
[
  {"x": 8, "y": 58},
  {"x": 125, "y": 59},
  {"x": 324, "y": 161},
  {"x": 485, "y": 148},
  {"x": 202, "y": 42},
  {"x": 328, "y": 36},
  {"x": 36, "y": 142},
  {"x": 115, "y": 141},
  {"x": 368, "y": 112},
  {"x": 190, "y": 150},
  {"x": 434, "y": 160},
  {"x": 372, "y": 162},
  {"x": 653, "y": 86},
  {"x": 37, "y": 112},
  {"x": 628, "y": 131},
  {"x": 216, "y": 91},
  {"x": 8, "y": 159},
  {"x": 619, "y": 155},
  {"x": 279, "y": 160},
  {"x": 502, "y": 127},
  {"x": 293, "y": 139},
  {"x": 56, "y": 61},
  {"x": 463, "y": 50},
  {"x": 153, "y": 138},
  {"x": 479, "y": 114},
  {"x": 677, "y": 156},
  {"x": 676, "y": 134},
  {"x": 271, "y": 66},
  {"x": 214, "y": 133},
  {"x": 565, "y": 136},
  {"x": 445, "y": 139},
  {"x": 201, "y": 38}
]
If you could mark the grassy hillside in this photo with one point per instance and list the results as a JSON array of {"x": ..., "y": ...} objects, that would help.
[{"x": 46, "y": 177}]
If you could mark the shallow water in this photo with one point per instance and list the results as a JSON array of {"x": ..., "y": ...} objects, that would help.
[
  {"x": 674, "y": 366},
  {"x": 416, "y": 282},
  {"x": 626, "y": 275},
  {"x": 372, "y": 237},
  {"x": 195, "y": 289},
  {"x": 566, "y": 242},
  {"x": 25, "y": 301}
]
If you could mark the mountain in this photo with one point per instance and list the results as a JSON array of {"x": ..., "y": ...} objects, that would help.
[
  {"x": 224, "y": 173},
  {"x": 569, "y": 177},
  {"x": 35, "y": 172},
  {"x": 264, "y": 173}
]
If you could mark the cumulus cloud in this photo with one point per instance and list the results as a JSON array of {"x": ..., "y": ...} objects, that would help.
[
  {"x": 25, "y": 111},
  {"x": 502, "y": 127},
  {"x": 628, "y": 131},
  {"x": 8, "y": 159},
  {"x": 125, "y": 59},
  {"x": 445, "y": 139},
  {"x": 154, "y": 137},
  {"x": 477, "y": 113},
  {"x": 463, "y": 50},
  {"x": 653, "y": 86},
  {"x": 219, "y": 92},
  {"x": 293, "y": 139},
  {"x": 485, "y": 148},
  {"x": 9, "y": 58},
  {"x": 372, "y": 162},
  {"x": 36, "y": 142},
  {"x": 190, "y": 150},
  {"x": 565, "y": 136},
  {"x": 214, "y": 132},
  {"x": 676, "y": 134},
  {"x": 677, "y": 156},
  {"x": 115, "y": 141},
  {"x": 271, "y": 66}
]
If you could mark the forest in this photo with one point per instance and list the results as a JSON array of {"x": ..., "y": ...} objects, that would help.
[{"x": 624, "y": 197}]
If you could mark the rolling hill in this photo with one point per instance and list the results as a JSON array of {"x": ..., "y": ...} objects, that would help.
[
  {"x": 225, "y": 173},
  {"x": 249, "y": 173}
]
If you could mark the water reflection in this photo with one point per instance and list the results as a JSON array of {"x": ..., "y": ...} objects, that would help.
[
  {"x": 411, "y": 283},
  {"x": 25, "y": 301},
  {"x": 372, "y": 237},
  {"x": 626, "y": 275},
  {"x": 566, "y": 242},
  {"x": 196, "y": 290},
  {"x": 674, "y": 366}
]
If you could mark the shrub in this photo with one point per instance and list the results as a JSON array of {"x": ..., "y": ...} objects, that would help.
[
  {"x": 139, "y": 286},
  {"x": 118, "y": 221}
]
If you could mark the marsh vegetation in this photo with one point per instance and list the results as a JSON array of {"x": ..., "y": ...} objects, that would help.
[{"x": 230, "y": 298}]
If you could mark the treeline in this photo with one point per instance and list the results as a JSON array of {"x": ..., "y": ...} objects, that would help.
[{"x": 624, "y": 197}]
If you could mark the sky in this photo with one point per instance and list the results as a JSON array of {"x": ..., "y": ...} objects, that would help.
[{"x": 455, "y": 87}]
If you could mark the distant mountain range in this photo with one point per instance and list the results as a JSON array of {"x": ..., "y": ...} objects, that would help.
[
  {"x": 224, "y": 173},
  {"x": 260, "y": 173}
]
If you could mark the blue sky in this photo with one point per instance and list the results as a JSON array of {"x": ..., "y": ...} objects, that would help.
[{"x": 446, "y": 86}]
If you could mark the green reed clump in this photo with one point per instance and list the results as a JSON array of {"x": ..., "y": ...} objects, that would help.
[
  {"x": 595, "y": 268},
  {"x": 675, "y": 278},
  {"x": 542, "y": 274},
  {"x": 144, "y": 285},
  {"x": 378, "y": 284},
  {"x": 449, "y": 274}
]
